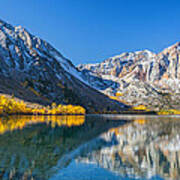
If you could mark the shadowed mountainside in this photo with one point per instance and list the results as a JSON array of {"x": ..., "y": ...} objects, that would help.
[{"x": 32, "y": 70}]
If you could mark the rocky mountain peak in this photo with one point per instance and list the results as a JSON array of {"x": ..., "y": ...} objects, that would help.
[
  {"x": 171, "y": 51},
  {"x": 36, "y": 66},
  {"x": 141, "y": 77}
]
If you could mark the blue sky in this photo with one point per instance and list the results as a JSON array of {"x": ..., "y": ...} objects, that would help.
[{"x": 92, "y": 30}]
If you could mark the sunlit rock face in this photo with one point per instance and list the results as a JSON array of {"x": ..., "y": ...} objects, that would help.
[
  {"x": 31, "y": 64},
  {"x": 142, "y": 149},
  {"x": 141, "y": 77}
]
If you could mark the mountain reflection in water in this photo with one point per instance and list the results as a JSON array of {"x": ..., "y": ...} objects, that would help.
[{"x": 89, "y": 147}]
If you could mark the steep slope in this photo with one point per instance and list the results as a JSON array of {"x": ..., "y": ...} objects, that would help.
[
  {"x": 140, "y": 77},
  {"x": 37, "y": 72}
]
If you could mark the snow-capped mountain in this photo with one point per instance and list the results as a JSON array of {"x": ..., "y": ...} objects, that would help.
[
  {"x": 141, "y": 77},
  {"x": 30, "y": 64}
]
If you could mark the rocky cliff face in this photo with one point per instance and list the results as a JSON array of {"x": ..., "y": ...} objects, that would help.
[
  {"x": 30, "y": 64},
  {"x": 141, "y": 77}
]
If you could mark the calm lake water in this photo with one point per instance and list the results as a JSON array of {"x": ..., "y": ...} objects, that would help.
[{"x": 90, "y": 147}]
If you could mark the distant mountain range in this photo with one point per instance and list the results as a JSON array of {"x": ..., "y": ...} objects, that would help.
[
  {"x": 140, "y": 77},
  {"x": 32, "y": 70}
]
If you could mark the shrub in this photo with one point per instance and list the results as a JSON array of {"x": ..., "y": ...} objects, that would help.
[{"x": 12, "y": 106}]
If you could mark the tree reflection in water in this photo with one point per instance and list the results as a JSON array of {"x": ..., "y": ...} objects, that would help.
[
  {"x": 135, "y": 147},
  {"x": 30, "y": 146}
]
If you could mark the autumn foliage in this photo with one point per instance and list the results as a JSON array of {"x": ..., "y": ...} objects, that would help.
[
  {"x": 141, "y": 108},
  {"x": 12, "y": 106},
  {"x": 169, "y": 112}
]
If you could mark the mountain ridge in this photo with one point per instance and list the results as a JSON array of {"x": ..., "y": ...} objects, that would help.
[
  {"x": 142, "y": 77},
  {"x": 38, "y": 67}
]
